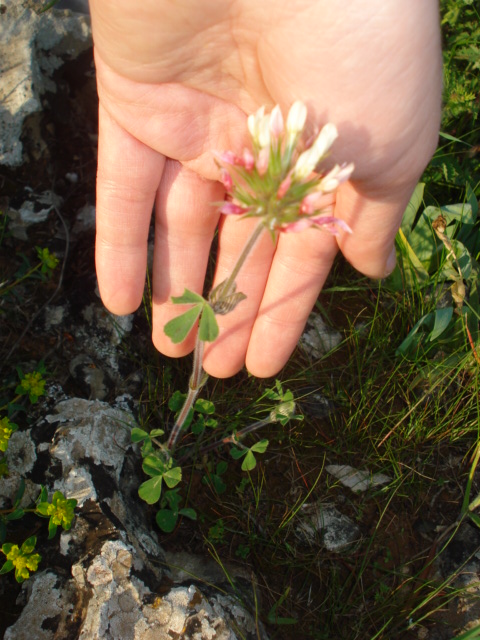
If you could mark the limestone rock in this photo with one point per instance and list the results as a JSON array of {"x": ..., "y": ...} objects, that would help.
[
  {"x": 356, "y": 480},
  {"x": 32, "y": 46},
  {"x": 105, "y": 600},
  {"x": 325, "y": 524},
  {"x": 318, "y": 339}
]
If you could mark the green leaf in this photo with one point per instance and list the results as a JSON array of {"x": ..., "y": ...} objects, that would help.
[
  {"x": 472, "y": 200},
  {"x": 222, "y": 466},
  {"x": 176, "y": 401},
  {"x": 204, "y": 406},
  {"x": 173, "y": 499},
  {"x": 411, "y": 261},
  {"x": 150, "y": 490},
  {"x": 188, "y": 513},
  {"x": 249, "y": 462},
  {"x": 43, "y": 497},
  {"x": 20, "y": 492},
  {"x": 412, "y": 336},
  {"x": 260, "y": 447},
  {"x": 475, "y": 518},
  {"x": 137, "y": 435},
  {"x": 442, "y": 319},
  {"x": 166, "y": 520},
  {"x": 153, "y": 466},
  {"x": 3, "y": 531},
  {"x": 412, "y": 208},
  {"x": 189, "y": 297},
  {"x": 219, "y": 484},
  {"x": 173, "y": 477},
  {"x": 237, "y": 453},
  {"x": 29, "y": 545},
  {"x": 15, "y": 515},
  {"x": 198, "y": 427},
  {"x": 52, "y": 529},
  {"x": 179, "y": 328},
  {"x": 208, "y": 329},
  {"x": 155, "y": 433},
  {"x": 8, "y": 566}
]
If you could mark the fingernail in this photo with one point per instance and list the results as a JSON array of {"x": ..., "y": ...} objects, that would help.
[{"x": 391, "y": 262}]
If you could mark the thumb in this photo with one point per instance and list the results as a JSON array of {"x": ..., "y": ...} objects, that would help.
[{"x": 374, "y": 221}]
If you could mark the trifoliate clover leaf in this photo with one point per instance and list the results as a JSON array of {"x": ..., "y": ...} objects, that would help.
[{"x": 178, "y": 328}]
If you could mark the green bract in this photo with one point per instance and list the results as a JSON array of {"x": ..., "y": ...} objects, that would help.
[
  {"x": 6, "y": 430},
  {"x": 60, "y": 511},
  {"x": 49, "y": 260},
  {"x": 33, "y": 385},
  {"x": 22, "y": 559}
]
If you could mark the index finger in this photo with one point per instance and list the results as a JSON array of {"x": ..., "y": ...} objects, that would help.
[{"x": 129, "y": 173}]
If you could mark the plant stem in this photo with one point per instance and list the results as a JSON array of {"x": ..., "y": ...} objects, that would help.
[
  {"x": 230, "y": 281},
  {"x": 197, "y": 380},
  {"x": 233, "y": 438},
  {"x": 199, "y": 377}
]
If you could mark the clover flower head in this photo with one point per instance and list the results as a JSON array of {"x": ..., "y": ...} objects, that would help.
[{"x": 278, "y": 180}]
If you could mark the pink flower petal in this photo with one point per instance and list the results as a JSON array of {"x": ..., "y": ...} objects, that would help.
[
  {"x": 230, "y": 208},
  {"x": 297, "y": 226},
  {"x": 248, "y": 159},
  {"x": 276, "y": 122},
  {"x": 284, "y": 187},
  {"x": 226, "y": 179},
  {"x": 331, "y": 224},
  {"x": 263, "y": 160},
  {"x": 226, "y": 157}
]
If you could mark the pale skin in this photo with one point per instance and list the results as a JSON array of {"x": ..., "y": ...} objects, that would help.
[{"x": 176, "y": 80}]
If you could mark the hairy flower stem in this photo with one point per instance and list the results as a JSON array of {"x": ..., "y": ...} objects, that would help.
[
  {"x": 196, "y": 382},
  {"x": 199, "y": 377},
  {"x": 230, "y": 281}
]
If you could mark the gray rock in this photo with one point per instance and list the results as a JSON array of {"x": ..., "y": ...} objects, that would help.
[
  {"x": 21, "y": 460},
  {"x": 318, "y": 339},
  {"x": 356, "y": 480},
  {"x": 34, "y": 209},
  {"x": 325, "y": 524},
  {"x": 32, "y": 47},
  {"x": 41, "y": 612},
  {"x": 116, "y": 562},
  {"x": 106, "y": 601},
  {"x": 459, "y": 566}
]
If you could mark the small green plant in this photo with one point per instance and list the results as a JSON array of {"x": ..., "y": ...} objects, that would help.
[
  {"x": 214, "y": 478},
  {"x": 6, "y": 430},
  {"x": 216, "y": 532},
  {"x": 43, "y": 269},
  {"x": 60, "y": 512},
  {"x": 248, "y": 454},
  {"x": 169, "y": 512},
  {"x": 437, "y": 251},
  {"x": 32, "y": 386},
  {"x": 22, "y": 559}
]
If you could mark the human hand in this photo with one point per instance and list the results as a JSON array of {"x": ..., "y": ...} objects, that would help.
[{"x": 177, "y": 81}]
